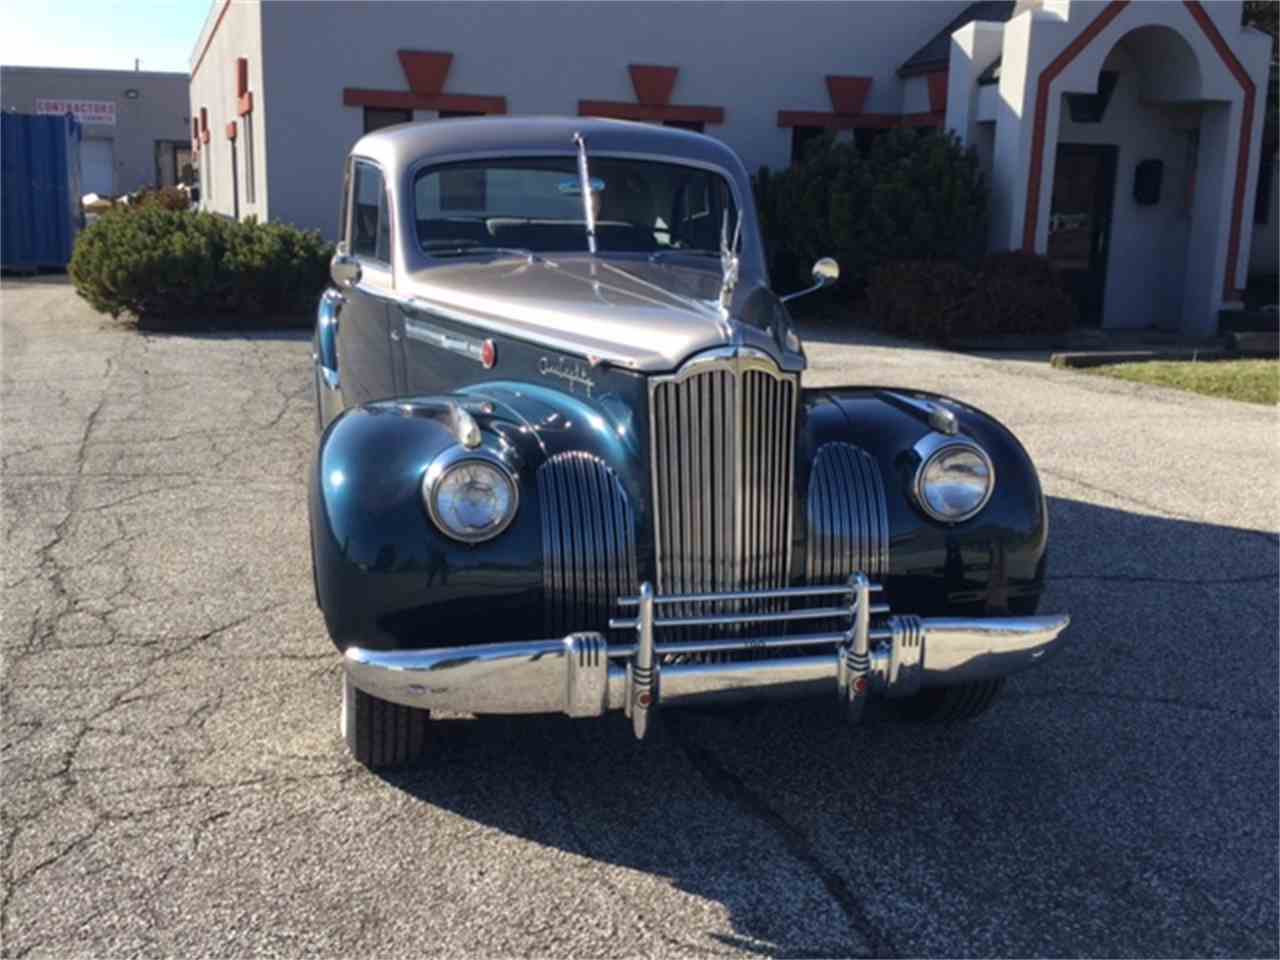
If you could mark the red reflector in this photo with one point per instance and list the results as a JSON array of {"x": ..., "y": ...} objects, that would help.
[
  {"x": 488, "y": 354},
  {"x": 644, "y": 699},
  {"x": 860, "y": 685}
]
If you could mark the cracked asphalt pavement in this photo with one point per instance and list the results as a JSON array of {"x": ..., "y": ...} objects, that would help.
[{"x": 174, "y": 783}]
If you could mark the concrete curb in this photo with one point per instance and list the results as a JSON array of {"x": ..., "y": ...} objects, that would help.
[{"x": 1082, "y": 360}]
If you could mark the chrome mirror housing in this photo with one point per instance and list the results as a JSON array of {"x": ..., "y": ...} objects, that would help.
[
  {"x": 344, "y": 269},
  {"x": 825, "y": 272}
]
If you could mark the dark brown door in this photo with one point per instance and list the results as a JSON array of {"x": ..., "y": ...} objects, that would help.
[{"x": 1084, "y": 182}]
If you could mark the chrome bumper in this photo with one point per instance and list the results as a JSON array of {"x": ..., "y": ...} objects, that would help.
[{"x": 584, "y": 676}]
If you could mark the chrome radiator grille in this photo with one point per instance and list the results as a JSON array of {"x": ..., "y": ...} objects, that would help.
[{"x": 723, "y": 445}]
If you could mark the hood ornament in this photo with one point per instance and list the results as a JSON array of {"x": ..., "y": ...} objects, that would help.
[{"x": 729, "y": 260}]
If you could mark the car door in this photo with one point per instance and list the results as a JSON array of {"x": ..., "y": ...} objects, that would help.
[{"x": 366, "y": 359}]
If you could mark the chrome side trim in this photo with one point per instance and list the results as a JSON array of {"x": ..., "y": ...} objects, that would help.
[
  {"x": 588, "y": 541},
  {"x": 417, "y": 302},
  {"x": 848, "y": 515},
  {"x": 464, "y": 346}
]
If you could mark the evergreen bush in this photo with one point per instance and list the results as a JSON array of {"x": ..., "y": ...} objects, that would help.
[
  {"x": 914, "y": 195},
  {"x": 181, "y": 268}
]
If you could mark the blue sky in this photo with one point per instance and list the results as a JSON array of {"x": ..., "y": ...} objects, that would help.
[{"x": 94, "y": 33}]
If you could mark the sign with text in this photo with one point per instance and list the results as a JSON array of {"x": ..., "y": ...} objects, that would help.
[{"x": 86, "y": 111}]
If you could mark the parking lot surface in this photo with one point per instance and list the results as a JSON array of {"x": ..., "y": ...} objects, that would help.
[{"x": 174, "y": 782}]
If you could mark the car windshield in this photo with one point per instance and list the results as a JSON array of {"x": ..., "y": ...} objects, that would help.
[{"x": 535, "y": 204}]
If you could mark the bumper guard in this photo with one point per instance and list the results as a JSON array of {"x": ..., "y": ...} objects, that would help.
[{"x": 582, "y": 675}]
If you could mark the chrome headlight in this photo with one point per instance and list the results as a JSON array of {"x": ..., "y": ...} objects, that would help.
[
  {"x": 954, "y": 480},
  {"x": 470, "y": 498}
]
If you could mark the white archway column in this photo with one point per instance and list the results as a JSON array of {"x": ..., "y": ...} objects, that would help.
[{"x": 1060, "y": 48}]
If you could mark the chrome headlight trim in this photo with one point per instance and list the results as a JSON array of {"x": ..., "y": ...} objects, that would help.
[
  {"x": 453, "y": 459},
  {"x": 934, "y": 445}
]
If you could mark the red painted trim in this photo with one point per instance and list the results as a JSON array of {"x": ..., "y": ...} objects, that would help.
[
  {"x": 1050, "y": 73},
  {"x": 231, "y": 130},
  {"x": 212, "y": 33},
  {"x": 1246, "y": 139},
  {"x": 403, "y": 100},
  {"x": 204, "y": 119},
  {"x": 864, "y": 121},
  {"x": 1070, "y": 52},
  {"x": 204, "y": 136},
  {"x": 242, "y": 76},
  {"x": 653, "y": 85},
  {"x": 848, "y": 94},
  {"x": 649, "y": 114},
  {"x": 245, "y": 105},
  {"x": 425, "y": 70},
  {"x": 938, "y": 91}
]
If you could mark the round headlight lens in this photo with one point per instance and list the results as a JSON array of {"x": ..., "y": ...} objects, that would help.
[
  {"x": 955, "y": 483},
  {"x": 472, "y": 500}
]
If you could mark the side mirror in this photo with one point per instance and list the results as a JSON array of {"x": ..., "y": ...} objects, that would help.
[
  {"x": 344, "y": 268},
  {"x": 825, "y": 272}
]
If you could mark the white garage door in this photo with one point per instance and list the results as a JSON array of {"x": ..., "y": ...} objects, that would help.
[{"x": 98, "y": 167}]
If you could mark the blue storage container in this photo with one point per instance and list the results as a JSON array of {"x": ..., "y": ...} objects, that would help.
[{"x": 40, "y": 191}]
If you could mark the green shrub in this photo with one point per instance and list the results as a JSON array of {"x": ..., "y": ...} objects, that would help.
[
  {"x": 181, "y": 268},
  {"x": 919, "y": 298},
  {"x": 169, "y": 198},
  {"x": 1018, "y": 293},
  {"x": 914, "y": 195},
  {"x": 1009, "y": 293}
]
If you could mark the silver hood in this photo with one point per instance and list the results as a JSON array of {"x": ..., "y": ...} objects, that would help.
[{"x": 629, "y": 312}]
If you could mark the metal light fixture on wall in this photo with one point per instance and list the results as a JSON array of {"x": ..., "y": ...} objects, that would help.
[{"x": 132, "y": 94}]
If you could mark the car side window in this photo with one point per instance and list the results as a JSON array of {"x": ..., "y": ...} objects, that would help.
[{"x": 370, "y": 222}]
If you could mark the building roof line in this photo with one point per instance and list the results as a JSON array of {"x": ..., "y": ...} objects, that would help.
[{"x": 8, "y": 68}]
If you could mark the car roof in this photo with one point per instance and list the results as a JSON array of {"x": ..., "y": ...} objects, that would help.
[{"x": 399, "y": 146}]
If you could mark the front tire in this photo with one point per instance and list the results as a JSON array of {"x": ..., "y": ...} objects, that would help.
[
  {"x": 966, "y": 701},
  {"x": 382, "y": 735},
  {"x": 949, "y": 705}
]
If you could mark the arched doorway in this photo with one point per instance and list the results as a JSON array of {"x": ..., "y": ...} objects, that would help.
[{"x": 1126, "y": 230}]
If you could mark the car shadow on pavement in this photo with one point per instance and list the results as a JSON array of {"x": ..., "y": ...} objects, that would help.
[{"x": 1069, "y": 819}]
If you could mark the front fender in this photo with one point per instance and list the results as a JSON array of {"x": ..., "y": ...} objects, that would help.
[
  {"x": 992, "y": 563},
  {"x": 386, "y": 577}
]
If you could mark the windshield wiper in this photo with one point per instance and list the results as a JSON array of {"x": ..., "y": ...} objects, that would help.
[
  {"x": 686, "y": 252},
  {"x": 454, "y": 248}
]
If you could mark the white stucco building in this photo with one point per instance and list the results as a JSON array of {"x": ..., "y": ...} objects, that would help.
[{"x": 1122, "y": 138}]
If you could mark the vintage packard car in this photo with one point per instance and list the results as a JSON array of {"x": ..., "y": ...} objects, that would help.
[{"x": 566, "y": 462}]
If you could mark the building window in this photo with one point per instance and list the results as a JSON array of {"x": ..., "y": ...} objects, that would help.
[
  {"x": 370, "y": 224},
  {"x": 185, "y": 161},
  {"x": 250, "y": 176},
  {"x": 375, "y": 118},
  {"x": 801, "y": 137},
  {"x": 696, "y": 126},
  {"x": 1266, "y": 173}
]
